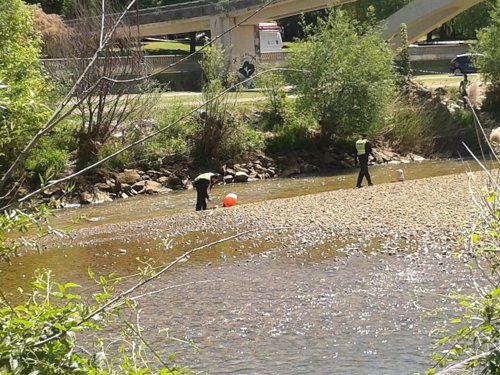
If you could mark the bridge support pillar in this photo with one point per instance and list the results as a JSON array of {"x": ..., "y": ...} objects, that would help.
[{"x": 239, "y": 44}]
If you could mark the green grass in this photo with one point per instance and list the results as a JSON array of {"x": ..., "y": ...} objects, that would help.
[
  {"x": 172, "y": 47},
  {"x": 290, "y": 46},
  {"x": 174, "y": 98},
  {"x": 444, "y": 80}
]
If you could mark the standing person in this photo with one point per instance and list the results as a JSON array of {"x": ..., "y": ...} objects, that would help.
[
  {"x": 462, "y": 89},
  {"x": 361, "y": 152},
  {"x": 203, "y": 184}
]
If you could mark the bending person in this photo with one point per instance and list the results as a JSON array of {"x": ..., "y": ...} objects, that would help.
[{"x": 203, "y": 184}]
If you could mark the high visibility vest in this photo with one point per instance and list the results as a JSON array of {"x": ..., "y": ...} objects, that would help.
[
  {"x": 360, "y": 146},
  {"x": 204, "y": 176}
]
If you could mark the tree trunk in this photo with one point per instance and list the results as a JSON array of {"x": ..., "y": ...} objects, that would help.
[
  {"x": 325, "y": 136},
  {"x": 88, "y": 151}
]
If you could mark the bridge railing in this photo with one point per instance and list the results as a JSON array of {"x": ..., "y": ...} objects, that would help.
[
  {"x": 156, "y": 63},
  {"x": 151, "y": 63},
  {"x": 272, "y": 57}
]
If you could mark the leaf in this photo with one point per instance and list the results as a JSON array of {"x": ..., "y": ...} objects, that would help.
[
  {"x": 72, "y": 296},
  {"x": 71, "y": 285},
  {"x": 103, "y": 280}
]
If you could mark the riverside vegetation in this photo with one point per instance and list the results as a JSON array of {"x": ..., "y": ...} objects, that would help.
[{"x": 340, "y": 90}]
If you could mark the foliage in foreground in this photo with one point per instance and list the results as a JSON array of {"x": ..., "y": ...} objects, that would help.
[
  {"x": 472, "y": 339},
  {"x": 23, "y": 89},
  {"x": 44, "y": 335}
]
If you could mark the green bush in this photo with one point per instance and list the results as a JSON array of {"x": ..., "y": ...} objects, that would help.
[
  {"x": 46, "y": 162},
  {"x": 296, "y": 133},
  {"x": 51, "y": 155},
  {"x": 426, "y": 127},
  {"x": 242, "y": 140},
  {"x": 273, "y": 85},
  {"x": 491, "y": 103},
  {"x": 176, "y": 140},
  {"x": 45, "y": 335},
  {"x": 344, "y": 75}
]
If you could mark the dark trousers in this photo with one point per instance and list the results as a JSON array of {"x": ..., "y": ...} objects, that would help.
[
  {"x": 201, "y": 187},
  {"x": 363, "y": 171}
]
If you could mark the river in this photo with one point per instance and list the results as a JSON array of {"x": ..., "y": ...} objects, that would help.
[{"x": 263, "y": 310}]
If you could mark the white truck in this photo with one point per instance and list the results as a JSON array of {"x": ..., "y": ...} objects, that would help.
[{"x": 269, "y": 37}]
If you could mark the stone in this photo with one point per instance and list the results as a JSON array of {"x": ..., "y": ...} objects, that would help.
[
  {"x": 94, "y": 198},
  {"x": 416, "y": 158},
  {"x": 148, "y": 187},
  {"x": 308, "y": 168},
  {"x": 85, "y": 197},
  {"x": 174, "y": 182},
  {"x": 128, "y": 176},
  {"x": 291, "y": 169},
  {"x": 241, "y": 177},
  {"x": 230, "y": 171}
]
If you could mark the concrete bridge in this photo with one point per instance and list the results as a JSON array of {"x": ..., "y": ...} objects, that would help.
[
  {"x": 218, "y": 17},
  {"x": 421, "y": 16}
]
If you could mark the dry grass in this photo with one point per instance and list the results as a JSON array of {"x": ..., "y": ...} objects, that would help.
[{"x": 53, "y": 31}]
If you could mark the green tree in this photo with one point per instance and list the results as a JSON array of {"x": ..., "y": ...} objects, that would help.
[
  {"x": 466, "y": 24},
  {"x": 403, "y": 58},
  {"x": 215, "y": 120},
  {"x": 489, "y": 46},
  {"x": 23, "y": 92},
  {"x": 48, "y": 6},
  {"x": 350, "y": 78}
]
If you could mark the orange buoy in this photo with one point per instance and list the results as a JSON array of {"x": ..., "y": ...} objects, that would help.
[{"x": 230, "y": 200}]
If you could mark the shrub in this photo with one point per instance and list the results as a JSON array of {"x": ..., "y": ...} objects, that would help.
[
  {"x": 176, "y": 140},
  {"x": 346, "y": 76},
  {"x": 46, "y": 162},
  {"x": 273, "y": 85},
  {"x": 426, "y": 126},
  {"x": 296, "y": 133}
]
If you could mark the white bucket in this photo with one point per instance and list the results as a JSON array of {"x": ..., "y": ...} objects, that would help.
[{"x": 400, "y": 176}]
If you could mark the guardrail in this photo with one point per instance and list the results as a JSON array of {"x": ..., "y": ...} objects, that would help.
[
  {"x": 153, "y": 63},
  {"x": 436, "y": 52},
  {"x": 150, "y": 63},
  {"x": 272, "y": 57}
]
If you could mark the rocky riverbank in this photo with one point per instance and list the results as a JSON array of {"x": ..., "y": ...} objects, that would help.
[
  {"x": 178, "y": 174},
  {"x": 418, "y": 217}
]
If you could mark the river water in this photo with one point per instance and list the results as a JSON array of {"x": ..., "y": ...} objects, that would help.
[{"x": 266, "y": 311}]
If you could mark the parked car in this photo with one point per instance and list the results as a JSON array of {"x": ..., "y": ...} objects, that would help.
[{"x": 463, "y": 64}]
